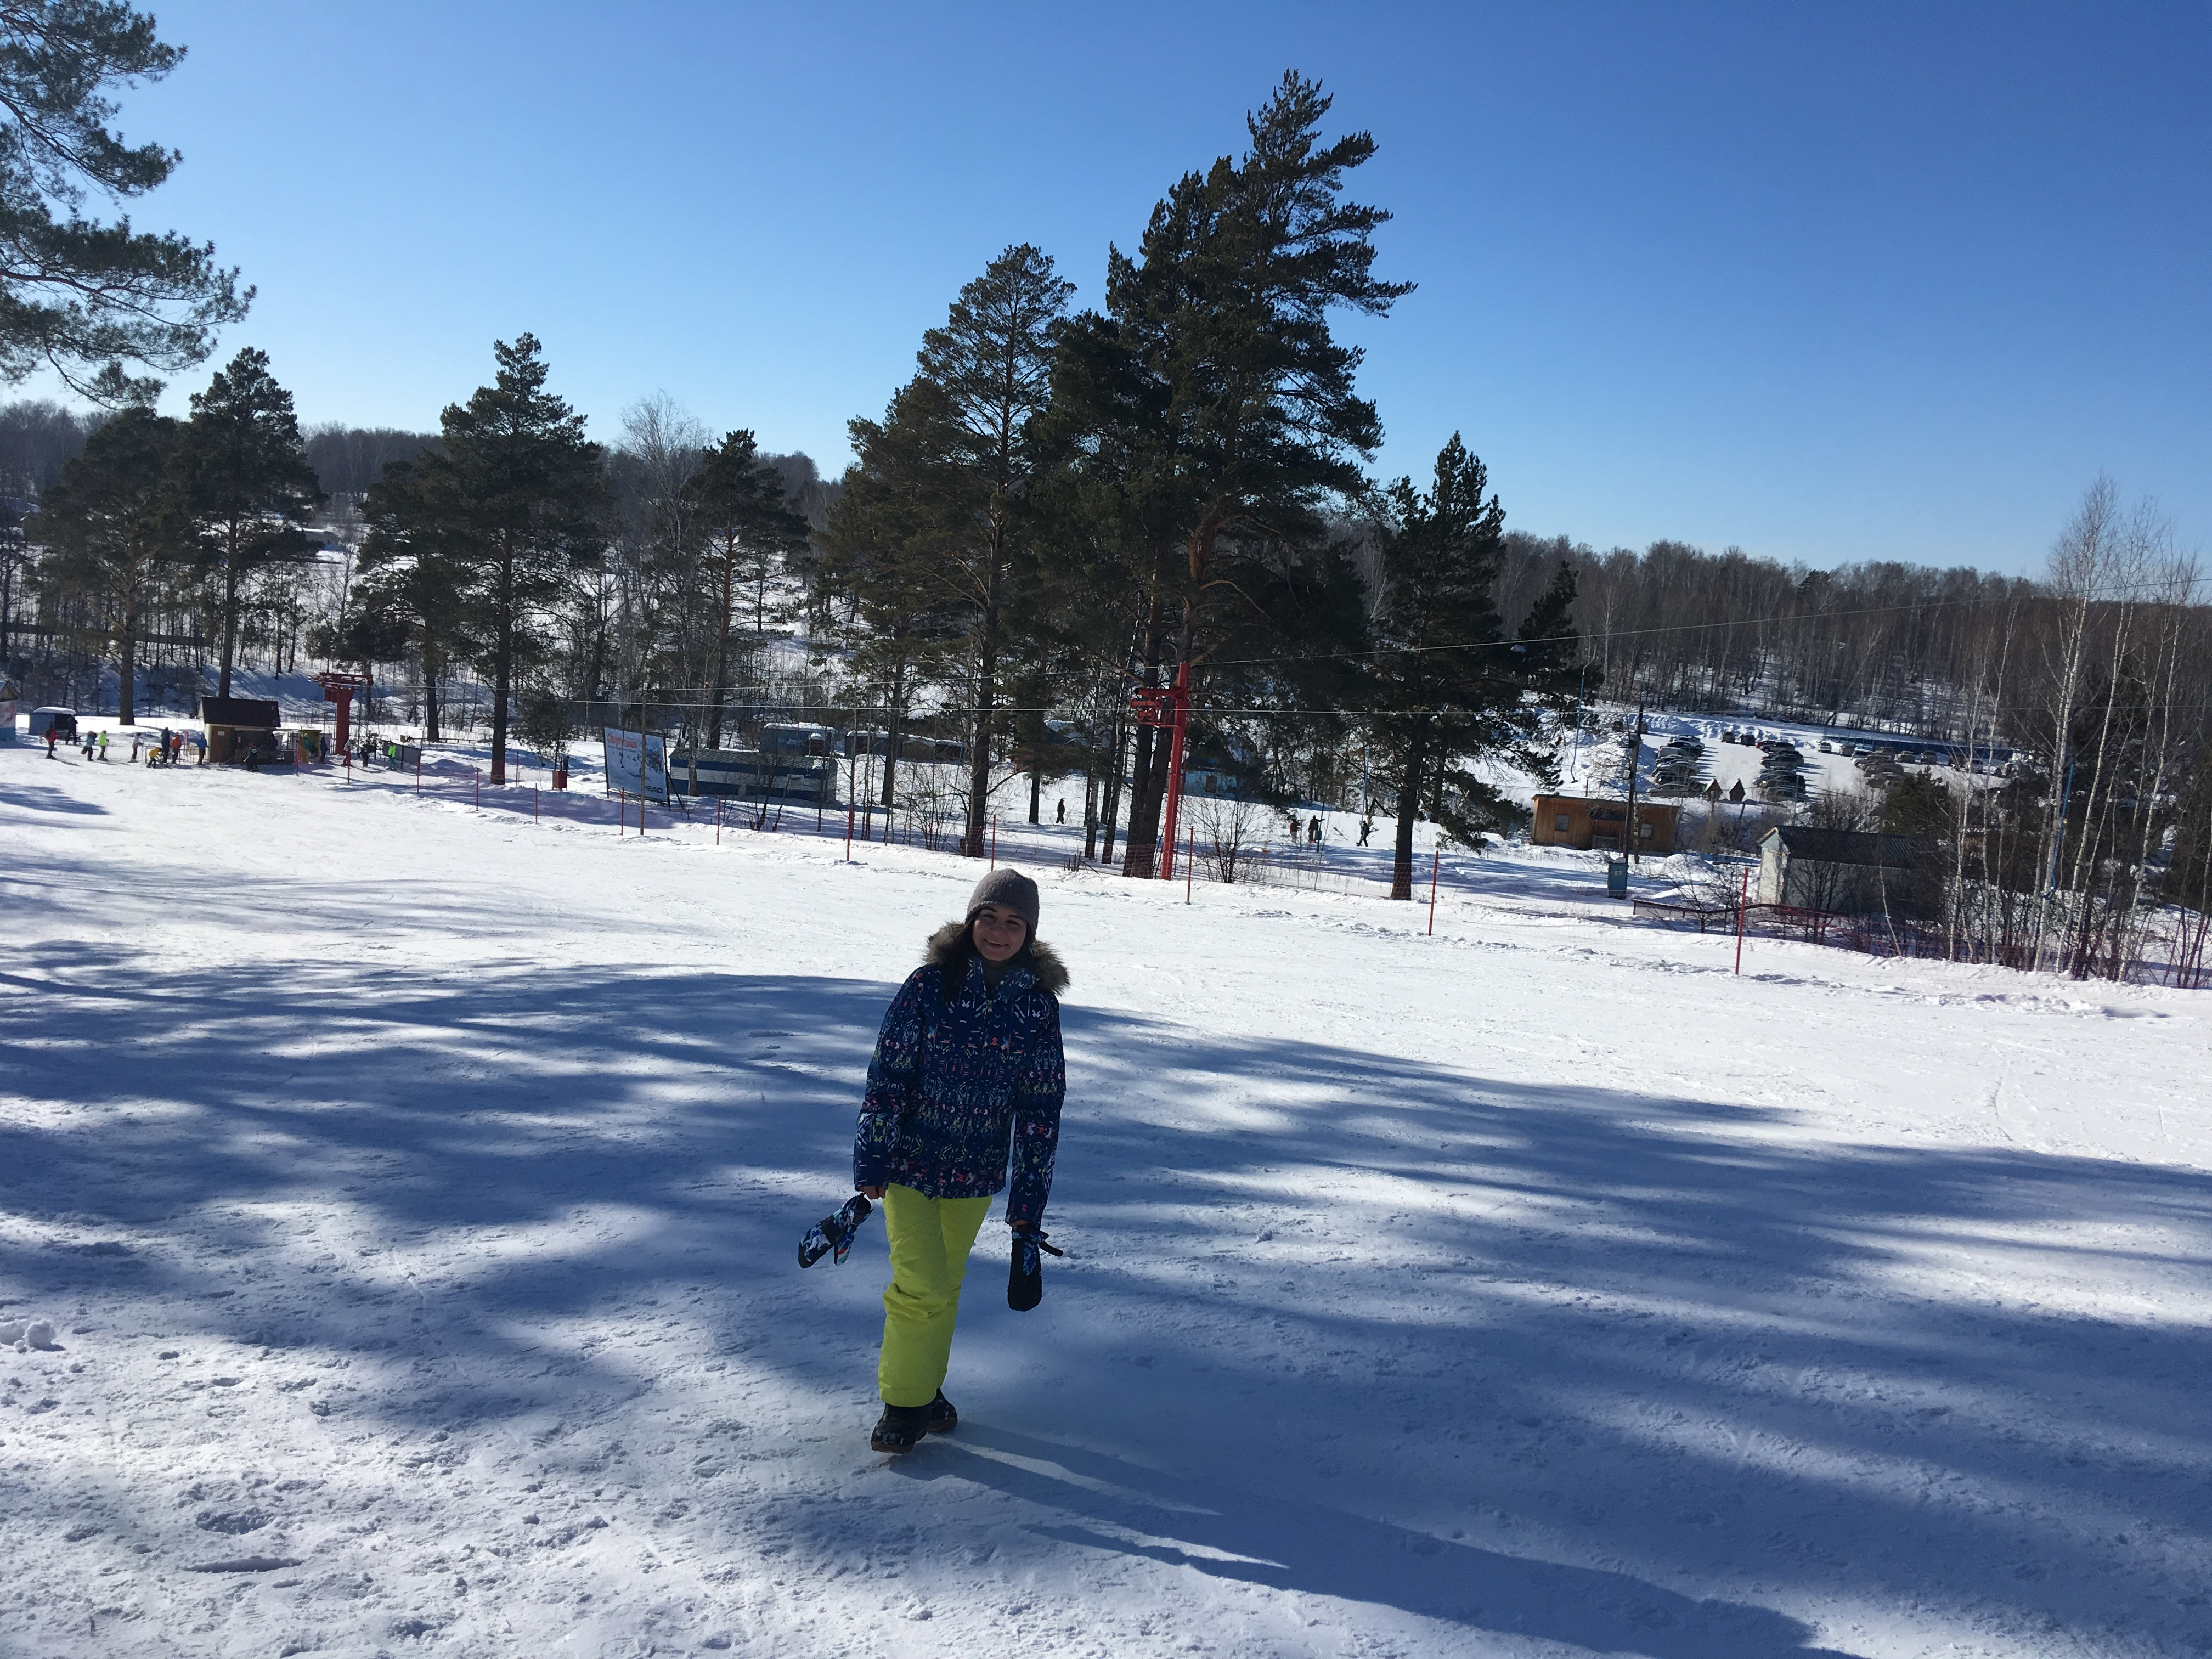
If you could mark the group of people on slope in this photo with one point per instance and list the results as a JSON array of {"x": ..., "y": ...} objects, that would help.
[{"x": 166, "y": 750}]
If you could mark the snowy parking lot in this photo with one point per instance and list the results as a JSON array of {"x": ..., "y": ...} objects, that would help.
[{"x": 415, "y": 1191}]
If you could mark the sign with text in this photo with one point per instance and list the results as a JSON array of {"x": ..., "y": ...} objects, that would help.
[{"x": 624, "y": 772}]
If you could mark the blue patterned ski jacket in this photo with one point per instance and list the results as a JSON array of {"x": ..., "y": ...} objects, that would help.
[{"x": 957, "y": 1080}]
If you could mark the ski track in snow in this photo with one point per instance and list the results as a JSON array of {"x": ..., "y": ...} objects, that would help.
[{"x": 415, "y": 1191}]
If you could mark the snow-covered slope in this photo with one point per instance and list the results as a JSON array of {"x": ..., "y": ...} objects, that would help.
[{"x": 416, "y": 1193}]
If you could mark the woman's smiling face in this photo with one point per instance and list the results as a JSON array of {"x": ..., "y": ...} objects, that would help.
[{"x": 998, "y": 932}]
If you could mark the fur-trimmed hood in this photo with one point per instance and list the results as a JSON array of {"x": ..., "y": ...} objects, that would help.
[{"x": 948, "y": 944}]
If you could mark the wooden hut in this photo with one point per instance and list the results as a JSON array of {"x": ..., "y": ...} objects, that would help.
[
  {"x": 1601, "y": 825},
  {"x": 240, "y": 728}
]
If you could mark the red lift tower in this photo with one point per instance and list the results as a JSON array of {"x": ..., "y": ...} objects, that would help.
[
  {"x": 1168, "y": 708},
  {"x": 339, "y": 689}
]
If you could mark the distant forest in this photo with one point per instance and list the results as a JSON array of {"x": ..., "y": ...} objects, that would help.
[{"x": 1883, "y": 643}]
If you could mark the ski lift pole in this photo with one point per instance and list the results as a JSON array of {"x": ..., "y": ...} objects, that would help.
[
  {"x": 1742, "y": 899},
  {"x": 1436, "y": 863},
  {"x": 1180, "y": 704}
]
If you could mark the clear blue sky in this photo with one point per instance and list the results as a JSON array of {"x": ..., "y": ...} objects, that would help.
[{"x": 1826, "y": 282}]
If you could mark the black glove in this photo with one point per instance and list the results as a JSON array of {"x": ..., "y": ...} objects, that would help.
[{"x": 1025, "y": 1274}]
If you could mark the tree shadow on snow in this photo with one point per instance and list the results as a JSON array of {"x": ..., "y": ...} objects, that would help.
[{"x": 1568, "y": 1276}]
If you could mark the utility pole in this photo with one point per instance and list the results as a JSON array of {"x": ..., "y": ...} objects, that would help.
[{"x": 1635, "y": 759}]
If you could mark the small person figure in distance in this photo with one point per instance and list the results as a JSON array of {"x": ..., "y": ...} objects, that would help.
[{"x": 967, "y": 1071}]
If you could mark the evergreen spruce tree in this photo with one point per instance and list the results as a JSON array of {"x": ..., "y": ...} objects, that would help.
[
  {"x": 81, "y": 294},
  {"x": 241, "y": 475},
  {"x": 517, "y": 501},
  {"x": 738, "y": 502},
  {"x": 112, "y": 532},
  {"x": 1445, "y": 684}
]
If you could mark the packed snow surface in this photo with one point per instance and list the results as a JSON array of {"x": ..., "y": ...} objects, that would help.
[{"x": 414, "y": 1193}]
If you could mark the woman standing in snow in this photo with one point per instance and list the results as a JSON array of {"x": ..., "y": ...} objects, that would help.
[{"x": 967, "y": 1069}]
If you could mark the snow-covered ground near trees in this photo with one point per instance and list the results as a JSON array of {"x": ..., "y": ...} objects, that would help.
[{"x": 415, "y": 1194}]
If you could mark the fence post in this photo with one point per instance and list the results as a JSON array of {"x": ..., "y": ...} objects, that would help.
[
  {"x": 418, "y": 770},
  {"x": 477, "y": 773},
  {"x": 1742, "y": 899},
  {"x": 717, "y": 820},
  {"x": 533, "y": 803},
  {"x": 994, "y": 841},
  {"x": 1189, "y": 862},
  {"x": 848, "y": 832},
  {"x": 1435, "y": 863}
]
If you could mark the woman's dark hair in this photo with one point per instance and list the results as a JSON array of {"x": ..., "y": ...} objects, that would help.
[{"x": 956, "y": 960}]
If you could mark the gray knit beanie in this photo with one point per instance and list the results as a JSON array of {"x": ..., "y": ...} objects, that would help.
[{"x": 1010, "y": 889}]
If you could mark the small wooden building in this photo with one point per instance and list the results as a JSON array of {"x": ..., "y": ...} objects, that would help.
[
  {"x": 1847, "y": 872},
  {"x": 1601, "y": 825},
  {"x": 240, "y": 728}
]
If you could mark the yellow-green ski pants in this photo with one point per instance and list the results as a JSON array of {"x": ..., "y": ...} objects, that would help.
[{"x": 929, "y": 1239}]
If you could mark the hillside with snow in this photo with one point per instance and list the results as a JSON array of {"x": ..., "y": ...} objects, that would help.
[{"x": 413, "y": 1191}]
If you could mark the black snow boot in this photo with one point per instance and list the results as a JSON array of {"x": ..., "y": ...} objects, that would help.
[
  {"x": 943, "y": 1419},
  {"x": 900, "y": 1429}
]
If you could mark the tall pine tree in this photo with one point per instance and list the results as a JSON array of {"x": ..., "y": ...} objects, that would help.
[
  {"x": 84, "y": 296},
  {"x": 112, "y": 533},
  {"x": 737, "y": 502},
  {"x": 1445, "y": 684},
  {"x": 1213, "y": 387},
  {"x": 415, "y": 590},
  {"x": 518, "y": 498},
  {"x": 957, "y": 451},
  {"x": 241, "y": 475}
]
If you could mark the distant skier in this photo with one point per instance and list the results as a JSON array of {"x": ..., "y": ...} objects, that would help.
[
  {"x": 1060, "y": 813},
  {"x": 52, "y": 735},
  {"x": 200, "y": 749},
  {"x": 968, "y": 1068},
  {"x": 1366, "y": 829},
  {"x": 1313, "y": 832},
  {"x": 103, "y": 745}
]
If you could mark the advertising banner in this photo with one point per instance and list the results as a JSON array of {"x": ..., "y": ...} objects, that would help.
[{"x": 623, "y": 769}]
